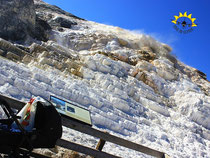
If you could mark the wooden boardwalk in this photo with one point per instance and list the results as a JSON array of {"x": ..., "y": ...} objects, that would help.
[{"x": 95, "y": 133}]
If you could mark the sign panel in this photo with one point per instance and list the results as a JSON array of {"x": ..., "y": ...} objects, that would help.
[{"x": 71, "y": 109}]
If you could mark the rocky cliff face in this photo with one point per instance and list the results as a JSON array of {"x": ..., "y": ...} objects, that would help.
[
  {"x": 17, "y": 19},
  {"x": 130, "y": 82}
]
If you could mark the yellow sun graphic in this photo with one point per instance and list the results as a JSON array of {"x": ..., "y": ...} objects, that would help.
[{"x": 185, "y": 15}]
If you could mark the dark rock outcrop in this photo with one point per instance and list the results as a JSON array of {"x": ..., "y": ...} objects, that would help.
[
  {"x": 41, "y": 6},
  {"x": 62, "y": 22},
  {"x": 41, "y": 30},
  {"x": 46, "y": 12},
  {"x": 17, "y": 20}
]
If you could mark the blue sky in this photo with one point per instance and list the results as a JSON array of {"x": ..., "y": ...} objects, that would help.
[{"x": 153, "y": 17}]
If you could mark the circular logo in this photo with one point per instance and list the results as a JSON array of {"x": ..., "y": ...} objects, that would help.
[{"x": 184, "y": 23}]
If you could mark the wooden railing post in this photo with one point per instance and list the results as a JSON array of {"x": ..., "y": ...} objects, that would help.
[{"x": 100, "y": 144}]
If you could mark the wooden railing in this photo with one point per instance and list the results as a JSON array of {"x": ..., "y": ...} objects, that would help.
[{"x": 104, "y": 136}]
